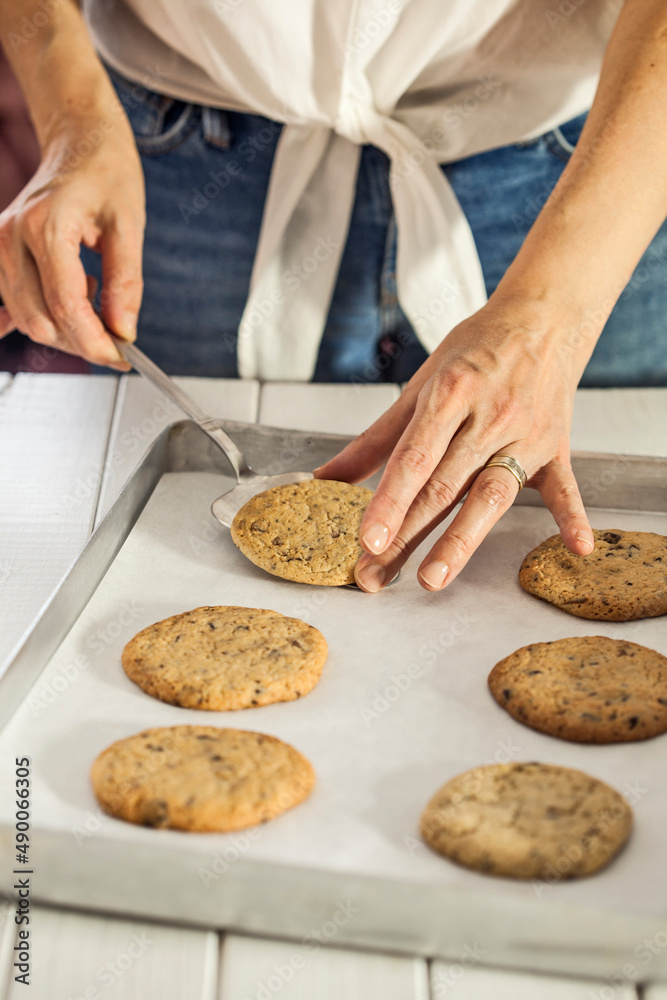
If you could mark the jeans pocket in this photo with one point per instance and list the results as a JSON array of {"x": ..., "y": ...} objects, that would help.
[
  {"x": 561, "y": 141},
  {"x": 160, "y": 123}
]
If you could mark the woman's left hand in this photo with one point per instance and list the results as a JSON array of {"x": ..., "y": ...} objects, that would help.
[{"x": 502, "y": 382}]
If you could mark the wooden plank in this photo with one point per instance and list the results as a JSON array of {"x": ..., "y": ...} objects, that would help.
[
  {"x": 256, "y": 969},
  {"x": 53, "y": 438},
  {"x": 7, "y": 938},
  {"x": 465, "y": 982},
  {"x": 337, "y": 409},
  {"x": 628, "y": 421},
  {"x": 85, "y": 957},
  {"x": 142, "y": 413}
]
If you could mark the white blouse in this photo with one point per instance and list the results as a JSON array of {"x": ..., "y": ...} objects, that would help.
[{"x": 426, "y": 82}]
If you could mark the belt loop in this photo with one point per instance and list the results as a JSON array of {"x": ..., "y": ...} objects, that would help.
[{"x": 215, "y": 125}]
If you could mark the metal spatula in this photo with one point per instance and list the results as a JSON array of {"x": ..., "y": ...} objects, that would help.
[{"x": 248, "y": 482}]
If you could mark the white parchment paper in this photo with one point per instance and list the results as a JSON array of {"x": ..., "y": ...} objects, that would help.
[{"x": 402, "y": 705}]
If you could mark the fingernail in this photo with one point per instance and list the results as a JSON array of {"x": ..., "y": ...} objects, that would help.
[
  {"x": 315, "y": 471},
  {"x": 371, "y": 577},
  {"x": 434, "y": 574},
  {"x": 583, "y": 536},
  {"x": 127, "y": 326},
  {"x": 375, "y": 538}
]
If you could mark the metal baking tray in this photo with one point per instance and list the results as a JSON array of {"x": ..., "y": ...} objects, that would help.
[{"x": 401, "y": 707}]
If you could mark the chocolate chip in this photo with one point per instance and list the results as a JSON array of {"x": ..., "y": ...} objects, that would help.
[
  {"x": 632, "y": 721},
  {"x": 156, "y": 813},
  {"x": 611, "y": 537}
]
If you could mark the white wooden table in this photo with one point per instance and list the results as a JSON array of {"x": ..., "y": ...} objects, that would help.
[{"x": 67, "y": 444}]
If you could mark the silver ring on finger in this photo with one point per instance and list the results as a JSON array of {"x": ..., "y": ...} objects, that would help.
[{"x": 507, "y": 462}]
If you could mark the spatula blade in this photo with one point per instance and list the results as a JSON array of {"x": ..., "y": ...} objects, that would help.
[{"x": 227, "y": 506}]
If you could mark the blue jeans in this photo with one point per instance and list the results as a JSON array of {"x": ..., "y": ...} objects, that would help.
[{"x": 207, "y": 173}]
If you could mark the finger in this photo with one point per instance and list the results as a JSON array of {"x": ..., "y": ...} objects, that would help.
[
  {"x": 561, "y": 494},
  {"x": 122, "y": 285},
  {"x": 436, "y": 419},
  {"x": 24, "y": 301},
  {"x": 7, "y": 324},
  {"x": 64, "y": 286},
  {"x": 368, "y": 452},
  {"x": 92, "y": 284},
  {"x": 491, "y": 494},
  {"x": 432, "y": 505}
]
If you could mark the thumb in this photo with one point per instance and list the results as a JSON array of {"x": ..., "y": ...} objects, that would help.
[{"x": 122, "y": 285}]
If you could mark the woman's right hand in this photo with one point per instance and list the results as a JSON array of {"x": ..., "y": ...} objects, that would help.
[{"x": 88, "y": 189}]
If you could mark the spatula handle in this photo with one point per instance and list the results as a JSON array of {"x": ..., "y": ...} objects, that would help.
[{"x": 165, "y": 384}]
